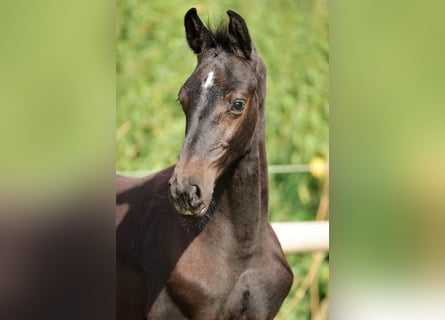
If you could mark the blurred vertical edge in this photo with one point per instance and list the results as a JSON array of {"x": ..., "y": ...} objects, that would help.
[
  {"x": 57, "y": 115},
  {"x": 387, "y": 160}
]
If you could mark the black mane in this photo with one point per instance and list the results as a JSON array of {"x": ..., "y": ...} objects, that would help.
[{"x": 221, "y": 38}]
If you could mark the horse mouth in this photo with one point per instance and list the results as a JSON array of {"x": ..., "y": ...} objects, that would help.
[{"x": 198, "y": 212}]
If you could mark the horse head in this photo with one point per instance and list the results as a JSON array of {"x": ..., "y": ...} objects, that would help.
[{"x": 222, "y": 101}]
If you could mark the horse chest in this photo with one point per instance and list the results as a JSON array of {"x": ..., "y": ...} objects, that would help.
[
  {"x": 201, "y": 278},
  {"x": 215, "y": 287}
]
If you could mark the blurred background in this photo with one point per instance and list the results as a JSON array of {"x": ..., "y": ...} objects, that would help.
[{"x": 153, "y": 61}]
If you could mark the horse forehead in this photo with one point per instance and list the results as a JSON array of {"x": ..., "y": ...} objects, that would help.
[
  {"x": 219, "y": 74},
  {"x": 208, "y": 77},
  {"x": 224, "y": 66}
]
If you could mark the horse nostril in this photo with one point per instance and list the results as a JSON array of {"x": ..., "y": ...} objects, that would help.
[
  {"x": 194, "y": 196},
  {"x": 171, "y": 180},
  {"x": 196, "y": 190},
  {"x": 173, "y": 187}
]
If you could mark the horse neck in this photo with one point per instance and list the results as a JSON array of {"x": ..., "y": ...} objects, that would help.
[{"x": 247, "y": 192}]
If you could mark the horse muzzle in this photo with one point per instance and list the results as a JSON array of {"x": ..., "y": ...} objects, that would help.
[{"x": 191, "y": 197}]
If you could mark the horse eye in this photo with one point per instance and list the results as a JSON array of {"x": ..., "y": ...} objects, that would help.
[{"x": 238, "y": 106}]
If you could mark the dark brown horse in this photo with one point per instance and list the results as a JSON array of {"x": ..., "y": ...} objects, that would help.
[{"x": 194, "y": 240}]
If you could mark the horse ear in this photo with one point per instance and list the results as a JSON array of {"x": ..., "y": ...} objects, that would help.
[
  {"x": 198, "y": 36},
  {"x": 239, "y": 35}
]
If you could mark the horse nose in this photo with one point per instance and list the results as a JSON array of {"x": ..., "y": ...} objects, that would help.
[{"x": 186, "y": 196}]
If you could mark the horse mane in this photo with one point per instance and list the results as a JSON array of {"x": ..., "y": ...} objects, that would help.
[{"x": 221, "y": 37}]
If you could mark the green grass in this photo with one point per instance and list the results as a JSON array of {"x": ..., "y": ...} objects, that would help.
[{"x": 153, "y": 61}]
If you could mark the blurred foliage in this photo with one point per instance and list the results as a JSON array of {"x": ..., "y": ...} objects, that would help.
[{"x": 153, "y": 61}]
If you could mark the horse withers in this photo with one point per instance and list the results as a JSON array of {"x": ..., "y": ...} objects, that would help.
[{"x": 194, "y": 240}]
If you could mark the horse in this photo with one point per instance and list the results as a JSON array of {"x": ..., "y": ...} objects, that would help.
[{"x": 194, "y": 241}]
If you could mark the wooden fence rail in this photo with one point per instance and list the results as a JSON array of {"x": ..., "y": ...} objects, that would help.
[{"x": 299, "y": 237}]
